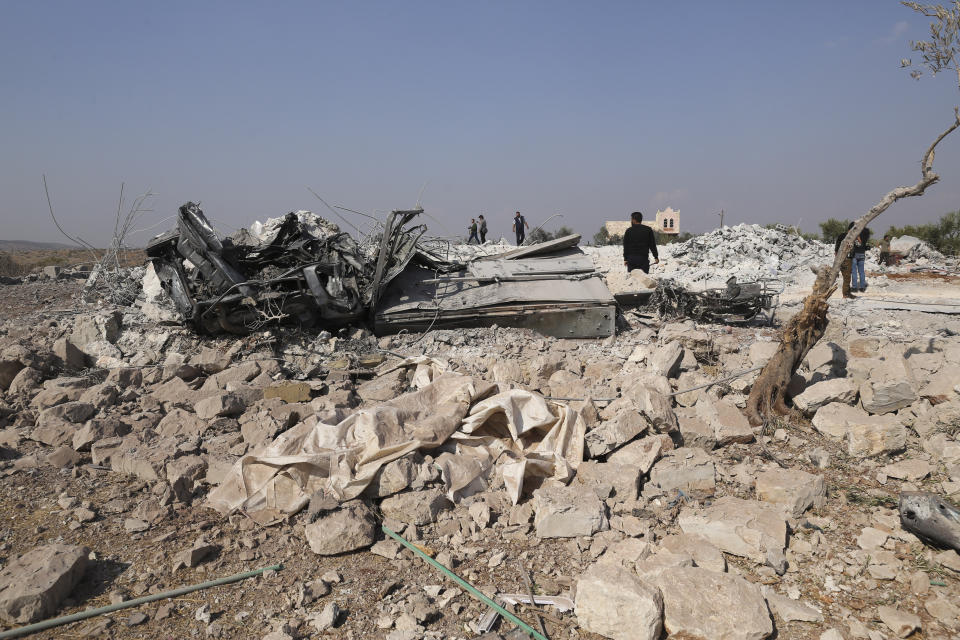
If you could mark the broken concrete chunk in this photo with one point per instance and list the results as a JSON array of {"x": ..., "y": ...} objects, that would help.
[
  {"x": 568, "y": 512},
  {"x": 33, "y": 585},
  {"x": 796, "y": 490},
  {"x": 615, "y": 603},
  {"x": 348, "y": 528},
  {"x": 416, "y": 507},
  {"x": 746, "y": 528},
  {"x": 654, "y": 405},
  {"x": 705, "y": 605}
]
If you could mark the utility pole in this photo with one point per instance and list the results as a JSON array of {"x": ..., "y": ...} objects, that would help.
[{"x": 721, "y": 218}]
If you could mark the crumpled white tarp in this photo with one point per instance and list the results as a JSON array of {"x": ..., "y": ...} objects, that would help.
[
  {"x": 522, "y": 433},
  {"x": 529, "y": 437},
  {"x": 342, "y": 459}
]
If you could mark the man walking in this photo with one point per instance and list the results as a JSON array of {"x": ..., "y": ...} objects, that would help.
[
  {"x": 483, "y": 229},
  {"x": 519, "y": 225},
  {"x": 847, "y": 265},
  {"x": 473, "y": 231},
  {"x": 638, "y": 243}
]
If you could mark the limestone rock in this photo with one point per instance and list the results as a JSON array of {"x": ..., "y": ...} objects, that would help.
[
  {"x": 705, "y": 605},
  {"x": 688, "y": 469},
  {"x": 568, "y": 512},
  {"x": 746, "y": 528},
  {"x": 834, "y": 419},
  {"x": 889, "y": 386},
  {"x": 842, "y": 390},
  {"x": 876, "y": 436},
  {"x": 68, "y": 355},
  {"x": 901, "y": 623},
  {"x": 666, "y": 360},
  {"x": 611, "y": 434},
  {"x": 642, "y": 453},
  {"x": 9, "y": 368},
  {"x": 729, "y": 423},
  {"x": 791, "y": 610},
  {"x": 695, "y": 431},
  {"x": 613, "y": 602},
  {"x": 218, "y": 405},
  {"x": 415, "y": 507},
  {"x": 796, "y": 490},
  {"x": 181, "y": 423},
  {"x": 704, "y": 554},
  {"x": 33, "y": 585},
  {"x": 383, "y": 388},
  {"x": 348, "y": 528},
  {"x": 622, "y": 480}
]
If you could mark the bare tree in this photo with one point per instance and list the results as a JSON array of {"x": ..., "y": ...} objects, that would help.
[{"x": 802, "y": 332}]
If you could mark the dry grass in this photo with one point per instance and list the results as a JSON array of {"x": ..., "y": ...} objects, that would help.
[{"x": 18, "y": 263}]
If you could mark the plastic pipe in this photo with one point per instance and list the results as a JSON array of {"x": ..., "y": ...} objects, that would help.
[
  {"x": 90, "y": 613},
  {"x": 466, "y": 585}
]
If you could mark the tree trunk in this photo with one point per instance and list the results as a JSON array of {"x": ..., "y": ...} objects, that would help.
[{"x": 807, "y": 327}]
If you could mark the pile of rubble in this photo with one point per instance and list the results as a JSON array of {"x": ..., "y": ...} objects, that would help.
[{"x": 613, "y": 482}]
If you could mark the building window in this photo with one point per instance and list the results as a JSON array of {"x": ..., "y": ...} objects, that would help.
[
  {"x": 671, "y": 223},
  {"x": 665, "y": 223}
]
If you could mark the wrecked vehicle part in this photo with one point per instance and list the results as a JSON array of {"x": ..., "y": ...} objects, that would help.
[
  {"x": 735, "y": 302},
  {"x": 557, "y": 292},
  {"x": 930, "y": 518},
  {"x": 298, "y": 268}
]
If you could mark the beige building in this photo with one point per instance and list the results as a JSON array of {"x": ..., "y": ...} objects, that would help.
[{"x": 666, "y": 221}]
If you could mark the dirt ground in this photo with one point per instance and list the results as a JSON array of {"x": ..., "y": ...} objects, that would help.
[{"x": 39, "y": 505}]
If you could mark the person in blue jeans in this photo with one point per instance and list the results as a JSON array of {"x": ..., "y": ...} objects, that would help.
[{"x": 858, "y": 281}]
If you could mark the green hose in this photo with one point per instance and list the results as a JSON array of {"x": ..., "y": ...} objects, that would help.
[
  {"x": 90, "y": 613},
  {"x": 466, "y": 585}
]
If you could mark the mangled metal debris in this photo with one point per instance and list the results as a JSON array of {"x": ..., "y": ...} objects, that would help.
[
  {"x": 930, "y": 518},
  {"x": 300, "y": 268},
  {"x": 552, "y": 288},
  {"x": 736, "y": 302},
  {"x": 303, "y": 269}
]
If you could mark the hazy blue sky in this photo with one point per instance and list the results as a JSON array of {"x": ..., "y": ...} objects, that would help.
[{"x": 774, "y": 111}]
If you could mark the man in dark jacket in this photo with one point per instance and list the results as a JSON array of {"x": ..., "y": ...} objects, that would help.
[
  {"x": 638, "y": 243},
  {"x": 847, "y": 265}
]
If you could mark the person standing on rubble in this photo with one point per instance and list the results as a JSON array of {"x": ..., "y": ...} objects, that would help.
[
  {"x": 473, "y": 231},
  {"x": 519, "y": 225},
  {"x": 859, "y": 282},
  {"x": 847, "y": 265},
  {"x": 638, "y": 243},
  {"x": 483, "y": 229}
]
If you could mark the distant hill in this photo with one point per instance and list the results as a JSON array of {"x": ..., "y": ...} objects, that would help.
[{"x": 11, "y": 246}]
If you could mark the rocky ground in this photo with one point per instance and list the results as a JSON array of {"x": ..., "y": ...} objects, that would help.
[{"x": 682, "y": 521}]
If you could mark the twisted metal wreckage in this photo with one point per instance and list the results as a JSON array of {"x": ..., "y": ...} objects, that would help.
[{"x": 303, "y": 269}]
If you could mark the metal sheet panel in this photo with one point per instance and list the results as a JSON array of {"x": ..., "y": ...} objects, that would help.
[{"x": 566, "y": 265}]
